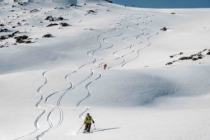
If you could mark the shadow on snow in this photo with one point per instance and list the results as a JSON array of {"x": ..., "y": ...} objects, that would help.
[{"x": 105, "y": 129}]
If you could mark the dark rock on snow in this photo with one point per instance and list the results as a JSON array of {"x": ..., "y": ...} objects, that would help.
[
  {"x": 169, "y": 63},
  {"x": 64, "y": 24},
  {"x": 185, "y": 58},
  {"x": 4, "y": 30},
  {"x": 23, "y": 39},
  {"x": 52, "y": 24},
  {"x": 4, "y": 37},
  {"x": 51, "y": 18},
  {"x": 34, "y": 11},
  {"x": 91, "y": 11},
  {"x": 164, "y": 29},
  {"x": 2, "y": 46},
  {"x": 47, "y": 36},
  {"x": 172, "y": 56},
  {"x": 208, "y": 53}
]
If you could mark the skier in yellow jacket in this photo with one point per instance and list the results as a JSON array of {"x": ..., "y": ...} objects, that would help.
[{"x": 88, "y": 121}]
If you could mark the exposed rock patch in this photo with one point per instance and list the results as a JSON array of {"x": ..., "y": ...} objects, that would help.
[
  {"x": 174, "y": 55},
  {"x": 63, "y": 24},
  {"x": 164, "y": 29},
  {"x": 4, "y": 30},
  {"x": 91, "y": 12},
  {"x": 34, "y": 11},
  {"x": 194, "y": 57},
  {"x": 23, "y": 39},
  {"x": 47, "y": 36},
  {"x": 208, "y": 53},
  {"x": 4, "y": 37},
  {"x": 52, "y": 24},
  {"x": 51, "y": 18}
]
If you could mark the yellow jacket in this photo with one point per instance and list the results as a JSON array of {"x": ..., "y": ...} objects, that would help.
[{"x": 88, "y": 120}]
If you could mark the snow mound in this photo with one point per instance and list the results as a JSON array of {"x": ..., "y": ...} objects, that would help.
[
  {"x": 130, "y": 88},
  {"x": 141, "y": 88}
]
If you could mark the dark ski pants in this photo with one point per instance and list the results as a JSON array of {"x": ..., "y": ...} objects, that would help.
[{"x": 87, "y": 127}]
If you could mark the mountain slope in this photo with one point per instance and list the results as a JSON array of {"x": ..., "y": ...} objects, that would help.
[{"x": 141, "y": 73}]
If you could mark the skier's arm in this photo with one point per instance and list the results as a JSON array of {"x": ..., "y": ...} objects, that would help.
[{"x": 85, "y": 120}]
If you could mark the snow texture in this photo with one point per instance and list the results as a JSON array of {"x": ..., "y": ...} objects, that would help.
[{"x": 111, "y": 61}]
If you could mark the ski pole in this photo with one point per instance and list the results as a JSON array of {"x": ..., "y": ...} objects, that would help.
[
  {"x": 94, "y": 126},
  {"x": 80, "y": 128}
]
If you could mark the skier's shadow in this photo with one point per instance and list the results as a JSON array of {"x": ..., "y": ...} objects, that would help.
[{"x": 105, "y": 129}]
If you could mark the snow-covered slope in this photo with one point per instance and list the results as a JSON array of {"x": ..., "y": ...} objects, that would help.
[{"x": 141, "y": 73}]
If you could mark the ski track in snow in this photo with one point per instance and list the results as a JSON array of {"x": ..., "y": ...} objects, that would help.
[
  {"x": 88, "y": 90},
  {"x": 82, "y": 113},
  {"x": 122, "y": 55},
  {"x": 123, "y": 63},
  {"x": 130, "y": 49},
  {"x": 37, "y": 105}
]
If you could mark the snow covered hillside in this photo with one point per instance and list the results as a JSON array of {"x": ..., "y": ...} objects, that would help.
[{"x": 141, "y": 73}]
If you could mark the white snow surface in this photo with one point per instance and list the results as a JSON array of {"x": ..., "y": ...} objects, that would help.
[{"x": 48, "y": 86}]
